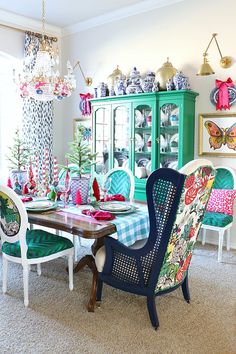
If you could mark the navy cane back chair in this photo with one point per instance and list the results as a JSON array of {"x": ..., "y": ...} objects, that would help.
[{"x": 176, "y": 205}]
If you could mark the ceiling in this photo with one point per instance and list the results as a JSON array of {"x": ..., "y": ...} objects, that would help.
[{"x": 66, "y": 13}]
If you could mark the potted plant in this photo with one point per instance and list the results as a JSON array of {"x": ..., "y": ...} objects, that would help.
[
  {"x": 80, "y": 156},
  {"x": 18, "y": 158},
  {"x": 174, "y": 146}
]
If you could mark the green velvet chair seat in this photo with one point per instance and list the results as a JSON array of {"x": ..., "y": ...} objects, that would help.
[
  {"x": 217, "y": 219},
  {"x": 40, "y": 244}
]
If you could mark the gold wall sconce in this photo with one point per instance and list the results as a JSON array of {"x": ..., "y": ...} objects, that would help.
[
  {"x": 205, "y": 68},
  {"x": 88, "y": 80}
]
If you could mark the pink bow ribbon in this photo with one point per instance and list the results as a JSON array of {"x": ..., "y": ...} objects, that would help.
[
  {"x": 85, "y": 97},
  {"x": 223, "y": 93}
]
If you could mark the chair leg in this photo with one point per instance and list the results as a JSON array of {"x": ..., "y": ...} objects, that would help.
[
  {"x": 4, "y": 274},
  {"x": 26, "y": 284},
  {"x": 220, "y": 247},
  {"x": 228, "y": 239},
  {"x": 185, "y": 290},
  {"x": 99, "y": 290},
  {"x": 70, "y": 270},
  {"x": 203, "y": 236},
  {"x": 75, "y": 242},
  {"x": 152, "y": 311},
  {"x": 39, "y": 269}
]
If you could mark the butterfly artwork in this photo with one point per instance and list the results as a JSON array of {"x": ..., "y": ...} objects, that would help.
[{"x": 221, "y": 136}]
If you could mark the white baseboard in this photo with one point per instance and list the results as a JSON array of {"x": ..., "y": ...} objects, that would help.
[{"x": 213, "y": 238}]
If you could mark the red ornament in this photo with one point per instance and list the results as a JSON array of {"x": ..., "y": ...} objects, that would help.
[
  {"x": 223, "y": 93},
  {"x": 78, "y": 199},
  {"x": 25, "y": 189},
  {"x": 9, "y": 183},
  {"x": 96, "y": 190}
]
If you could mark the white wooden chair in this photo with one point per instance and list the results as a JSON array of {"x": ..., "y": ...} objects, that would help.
[
  {"x": 219, "y": 221},
  {"x": 26, "y": 247}
]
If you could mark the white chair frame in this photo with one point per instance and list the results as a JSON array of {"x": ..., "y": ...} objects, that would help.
[
  {"x": 221, "y": 230},
  {"x": 23, "y": 260}
]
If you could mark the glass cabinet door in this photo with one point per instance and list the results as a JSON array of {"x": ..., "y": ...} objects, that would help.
[
  {"x": 122, "y": 135},
  {"x": 169, "y": 135},
  {"x": 102, "y": 139},
  {"x": 142, "y": 141}
]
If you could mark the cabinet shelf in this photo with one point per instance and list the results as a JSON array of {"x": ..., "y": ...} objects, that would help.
[{"x": 169, "y": 153}]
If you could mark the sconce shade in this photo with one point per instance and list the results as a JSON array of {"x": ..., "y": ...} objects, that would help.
[{"x": 205, "y": 69}]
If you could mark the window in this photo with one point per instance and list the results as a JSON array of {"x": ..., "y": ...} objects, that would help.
[{"x": 10, "y": 109}]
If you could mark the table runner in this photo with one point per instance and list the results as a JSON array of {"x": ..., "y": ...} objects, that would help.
[{"x": 130, "y": 227}]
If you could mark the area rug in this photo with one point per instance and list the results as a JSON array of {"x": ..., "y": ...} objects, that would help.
[{"x": 57, "y": 320}]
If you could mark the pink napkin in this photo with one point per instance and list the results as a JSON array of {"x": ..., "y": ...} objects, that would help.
[
  {"x": 99, "y": 214},
  {"x": 117, "y": 197},
  {"x": 26, "y": 199}
]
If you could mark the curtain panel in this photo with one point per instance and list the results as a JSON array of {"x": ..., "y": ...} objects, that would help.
[{"x": 37, "y": 115}]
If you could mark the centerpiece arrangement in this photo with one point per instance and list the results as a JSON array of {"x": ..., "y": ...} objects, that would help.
[
  {"x": 80, "y": 160},
  {"x": 18, "y": 159}
]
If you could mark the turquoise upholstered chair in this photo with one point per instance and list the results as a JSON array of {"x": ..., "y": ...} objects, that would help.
[
  {"x": 219, "y": 221},
  {"x": 26, "y": 247},
  {"x": 120, "y": 180},
  {"x": 159, "y": 265}
]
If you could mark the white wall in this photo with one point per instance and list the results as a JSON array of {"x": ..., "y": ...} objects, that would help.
[{"x": 180, "y": 32}]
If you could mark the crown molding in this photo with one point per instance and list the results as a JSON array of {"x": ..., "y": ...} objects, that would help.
[
  {"x": 112, "y": 16},
  {"x": 26, "y": 24}
]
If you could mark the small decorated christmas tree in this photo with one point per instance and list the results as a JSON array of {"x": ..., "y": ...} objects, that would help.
[
  {"x": 19, "y": 153},
  {"x": 80, "y": 152}
]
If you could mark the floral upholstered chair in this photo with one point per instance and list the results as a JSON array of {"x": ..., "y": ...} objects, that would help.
[
  {"x": 220, "y": 208},
  {"x": 26, "y": 247},
  {"x": 158, "y": 265}
]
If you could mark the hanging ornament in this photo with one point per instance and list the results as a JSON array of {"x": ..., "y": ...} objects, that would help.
[
  {"x": 85, "y": 105},
  {"x": 224, "y": 94}
]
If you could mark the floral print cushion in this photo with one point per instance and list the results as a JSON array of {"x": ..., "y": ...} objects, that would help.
[
  {"x": 40, "y": 244},
  {"x": 192, "y": 205},
  {"x": 222, "y": 201},
  {"x": 9, "y": 216}
]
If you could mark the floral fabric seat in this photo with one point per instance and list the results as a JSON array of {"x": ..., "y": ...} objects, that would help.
[
  {"x": 217, "y": 219},
  {"x": 176, "y": 204}
]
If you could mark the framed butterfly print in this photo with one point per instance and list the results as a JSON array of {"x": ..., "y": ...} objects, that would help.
[{"x": 217, "y": 134}]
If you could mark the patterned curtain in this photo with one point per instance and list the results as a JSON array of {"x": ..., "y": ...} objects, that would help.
[{"x": 37, "y": 115}]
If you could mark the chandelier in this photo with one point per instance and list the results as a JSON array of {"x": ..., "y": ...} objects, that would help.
[{"x": 44, "y": 82}]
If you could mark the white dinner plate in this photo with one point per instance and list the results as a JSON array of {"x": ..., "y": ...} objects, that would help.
[
  {"x": 40, "y": 205},
  {"x": 114, "y": 206},
  {"x": 139, "y": 142}
]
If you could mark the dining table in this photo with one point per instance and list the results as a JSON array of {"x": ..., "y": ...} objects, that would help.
[{"x": 88, "y": 228}]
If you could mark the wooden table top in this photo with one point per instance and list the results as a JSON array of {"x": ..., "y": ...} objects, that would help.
[{"x": 67, "y": 222}]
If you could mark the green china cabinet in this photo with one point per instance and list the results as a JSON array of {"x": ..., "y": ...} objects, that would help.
[{"x": 143, "y": 132}]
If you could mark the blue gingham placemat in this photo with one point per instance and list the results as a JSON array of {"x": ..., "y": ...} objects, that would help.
[{"x": 132, "y": 227}]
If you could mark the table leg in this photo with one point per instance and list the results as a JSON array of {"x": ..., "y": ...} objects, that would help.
[{"x": 89, "y": 261}]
